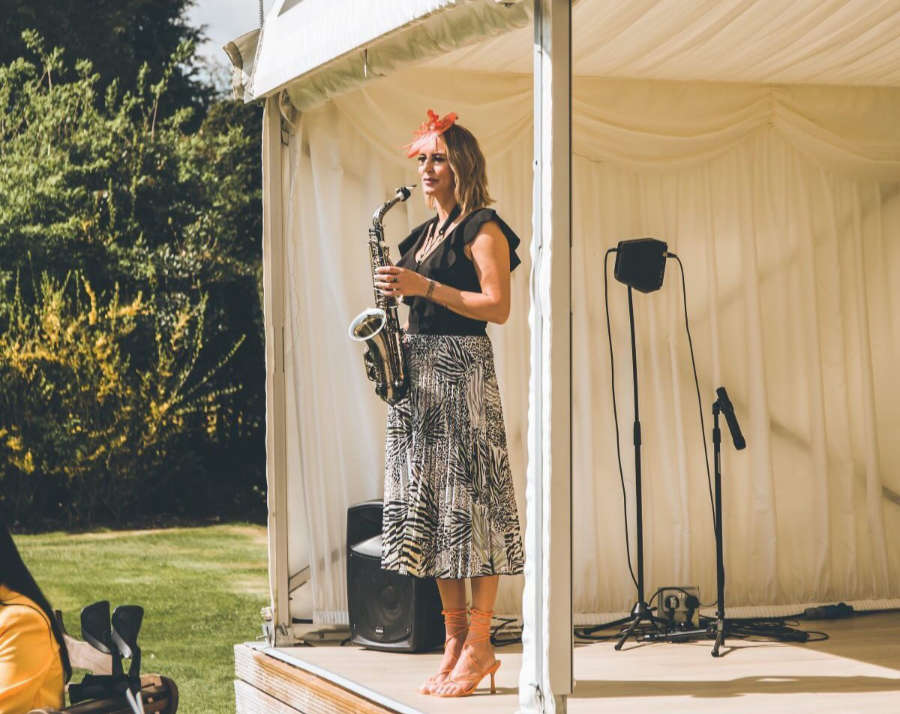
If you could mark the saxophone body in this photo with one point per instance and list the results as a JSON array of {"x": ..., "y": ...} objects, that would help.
[{"x": 378, "y": 327}]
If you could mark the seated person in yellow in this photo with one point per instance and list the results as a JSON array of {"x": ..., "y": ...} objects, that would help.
[{"x": 34, "y": 662}]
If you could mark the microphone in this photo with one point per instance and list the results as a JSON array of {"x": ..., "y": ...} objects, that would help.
[{"x": 728, "y": 410}]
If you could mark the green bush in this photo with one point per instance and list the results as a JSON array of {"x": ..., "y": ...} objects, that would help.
[{"x": 104, "y": 194}]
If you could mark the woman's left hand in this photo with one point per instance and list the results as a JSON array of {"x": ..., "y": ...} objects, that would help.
[{"x": 397, "y": 282}]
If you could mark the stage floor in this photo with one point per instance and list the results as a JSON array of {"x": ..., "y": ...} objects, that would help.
[{"x": 856, "y": 670}]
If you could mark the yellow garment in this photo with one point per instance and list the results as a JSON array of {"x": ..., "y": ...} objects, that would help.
[{"x": 31, "y": 673}]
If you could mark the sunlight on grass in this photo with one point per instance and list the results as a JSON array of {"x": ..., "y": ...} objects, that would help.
[{"x": 201, "y": 589}]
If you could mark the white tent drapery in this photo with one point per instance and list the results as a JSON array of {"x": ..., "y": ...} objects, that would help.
[
  {"x": 787, "y": 243},
  {"x": 782, "y": 201}
]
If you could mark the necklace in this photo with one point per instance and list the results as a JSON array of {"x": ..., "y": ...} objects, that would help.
[
  {"x": 434, "y": 237},
  {"x": 430, "y": 243}
]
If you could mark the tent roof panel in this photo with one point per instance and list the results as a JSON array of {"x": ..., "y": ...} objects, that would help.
[
  {"x": 304, "y": 41},
  {"x": 846, "y": 42}
]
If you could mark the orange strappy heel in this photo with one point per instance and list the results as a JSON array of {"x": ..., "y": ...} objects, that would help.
[
  {"x": 456, "y": 623},
  {"x": 479, "y": 631}
]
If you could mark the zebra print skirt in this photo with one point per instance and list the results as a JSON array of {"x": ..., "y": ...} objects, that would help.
[{"x": 449, "y": 506}]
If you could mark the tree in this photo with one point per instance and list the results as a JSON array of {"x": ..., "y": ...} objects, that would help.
[
  {"x": 117, "y": 36},
  {"x": 110, "y": 186}
]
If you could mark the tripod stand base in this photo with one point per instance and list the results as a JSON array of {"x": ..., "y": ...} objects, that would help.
[
  {"x": 639, "y": 613},
  {"x": 678, "y": 635},
  {"x": 715, "y": 631}
]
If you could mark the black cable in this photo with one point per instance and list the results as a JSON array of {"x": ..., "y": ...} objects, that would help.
[
  {"x": 495, "y": 639},
  {"x": 821, "y": 638},
  {"x": 587, "y": 632},
  {"x": 687, "y": 328},
  {"x": 612, "y": 377},
  {"x": 740, "y": 629},
  {"x": 767, "y": 628}
]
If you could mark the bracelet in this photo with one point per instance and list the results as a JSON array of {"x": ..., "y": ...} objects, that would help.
[{"x": 430, "y": 289}]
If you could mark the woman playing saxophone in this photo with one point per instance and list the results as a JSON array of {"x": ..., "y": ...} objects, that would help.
[{"x": 449, "y": 507}]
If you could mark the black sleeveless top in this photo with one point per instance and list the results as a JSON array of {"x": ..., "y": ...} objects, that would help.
[{"x": 448, "y": 264}]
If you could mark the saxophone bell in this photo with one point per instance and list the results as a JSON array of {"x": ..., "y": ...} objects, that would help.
[
  {"x": 368, "y": 328},
  {"x": 367, "y": 324}
]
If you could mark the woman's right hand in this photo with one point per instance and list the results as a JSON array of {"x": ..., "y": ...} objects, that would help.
[{"x": 399, "y": 282}]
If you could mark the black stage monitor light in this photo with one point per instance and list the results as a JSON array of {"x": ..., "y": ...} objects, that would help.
[{"x": 640, "y": 263}]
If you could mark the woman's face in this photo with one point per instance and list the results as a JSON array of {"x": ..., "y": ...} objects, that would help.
[{"x": 437, "y": 178}]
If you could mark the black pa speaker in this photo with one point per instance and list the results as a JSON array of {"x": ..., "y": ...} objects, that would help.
[
  {"x": 641, "y": 263},
  {"x": 388, "y": 611}
]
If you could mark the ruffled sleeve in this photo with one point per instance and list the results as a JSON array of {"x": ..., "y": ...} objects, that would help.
[{"x": 473, "y": 225}]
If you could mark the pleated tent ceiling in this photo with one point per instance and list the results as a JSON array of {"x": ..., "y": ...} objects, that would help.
[{"x": 759, "y": 139}]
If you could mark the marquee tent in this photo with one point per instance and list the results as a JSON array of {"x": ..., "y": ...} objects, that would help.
[{"x": 759, "y": 139}]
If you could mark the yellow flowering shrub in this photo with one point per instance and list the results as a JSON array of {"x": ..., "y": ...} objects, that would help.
[{"x": 84, "y": 431}]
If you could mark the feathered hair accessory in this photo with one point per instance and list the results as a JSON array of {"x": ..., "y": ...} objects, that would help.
[{"x": 429, "y": 131}]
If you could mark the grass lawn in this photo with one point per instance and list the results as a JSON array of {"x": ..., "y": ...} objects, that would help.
[{"x": 201, "y": 589}]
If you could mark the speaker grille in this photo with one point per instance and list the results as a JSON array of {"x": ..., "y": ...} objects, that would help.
[{"x": 380, "y": 601}]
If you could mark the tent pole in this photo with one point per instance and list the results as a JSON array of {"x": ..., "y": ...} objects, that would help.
[
  {"x": 545, "y": 680},
  {"x": 278, "y": 622}
]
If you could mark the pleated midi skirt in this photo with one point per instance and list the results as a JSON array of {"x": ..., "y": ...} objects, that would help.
[{"x": 449, "y": 506}]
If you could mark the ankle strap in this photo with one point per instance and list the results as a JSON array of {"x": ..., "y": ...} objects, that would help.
[
  {"x": 456, "y": 621},
  {"x": 480, "y": 625}
]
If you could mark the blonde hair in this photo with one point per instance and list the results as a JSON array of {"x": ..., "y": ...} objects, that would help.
[{"x": 469, "y": 169}]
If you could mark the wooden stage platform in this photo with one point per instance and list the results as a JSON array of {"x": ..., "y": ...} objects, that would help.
[{"x": 856, "y": 670}]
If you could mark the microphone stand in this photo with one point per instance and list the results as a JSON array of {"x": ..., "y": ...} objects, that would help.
[
  {"x": 722, "y": 405},
  {"x": 641, "y": 611}
]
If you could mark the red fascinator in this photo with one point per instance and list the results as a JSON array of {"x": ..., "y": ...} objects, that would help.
[{"x": 430, "y": 130}]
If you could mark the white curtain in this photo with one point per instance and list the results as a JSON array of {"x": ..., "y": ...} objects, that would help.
[
  {"x": 783, "y": 205},
  {"x": 792, "y": 309}
]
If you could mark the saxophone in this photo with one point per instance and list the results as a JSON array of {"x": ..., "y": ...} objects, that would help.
[{"x": 378, "y": 326}]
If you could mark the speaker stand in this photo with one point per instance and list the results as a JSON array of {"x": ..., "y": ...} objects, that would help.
[{"x": 641, "y": 611}]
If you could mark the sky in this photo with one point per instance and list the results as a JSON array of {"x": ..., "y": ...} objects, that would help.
[{"x": 224, "y": 20}]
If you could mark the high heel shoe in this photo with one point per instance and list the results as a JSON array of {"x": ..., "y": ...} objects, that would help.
[
  {"x": 466, "y": 682},
  {"x": 456, "y": 624}
]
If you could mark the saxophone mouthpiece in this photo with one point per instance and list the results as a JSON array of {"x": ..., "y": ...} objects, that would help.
[{"x": 404, "y": 191}]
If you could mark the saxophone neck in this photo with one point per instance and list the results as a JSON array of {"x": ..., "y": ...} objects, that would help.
[{"x": 401, "y": 194}]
